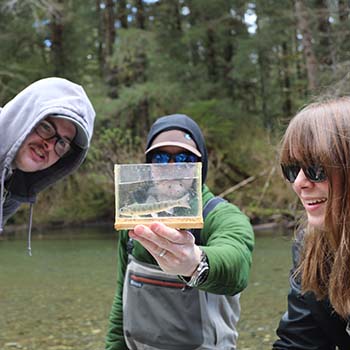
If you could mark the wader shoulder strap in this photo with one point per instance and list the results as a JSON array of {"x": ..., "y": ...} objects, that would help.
[
  {"x": 211, "y": 204},
  {"x": 208, "y": 207}
]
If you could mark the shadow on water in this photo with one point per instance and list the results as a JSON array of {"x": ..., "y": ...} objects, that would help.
[{"x": 60, "y": 298}]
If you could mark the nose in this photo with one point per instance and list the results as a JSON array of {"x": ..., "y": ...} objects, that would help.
[
  {"x": 302, "y": 181},
  {"x": 50, "y": 143}
]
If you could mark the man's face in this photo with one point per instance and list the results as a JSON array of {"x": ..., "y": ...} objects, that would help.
[
  {"x": 38, "y": 154},
  {"x": 173, "y": 188}
]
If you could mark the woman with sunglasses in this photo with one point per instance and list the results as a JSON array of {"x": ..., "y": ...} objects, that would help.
[
  {"x": 315, "y": 159},
  {"x": 45, "y": 134},
  {"x": 178, "y": 289}
]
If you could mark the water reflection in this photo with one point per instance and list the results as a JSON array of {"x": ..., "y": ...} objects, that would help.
[
  {"x": 60, "y": 297},
  {"x": 265, "y": 299}
]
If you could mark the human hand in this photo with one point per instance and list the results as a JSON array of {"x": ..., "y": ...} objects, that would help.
[{"x": 174, "y": 250}]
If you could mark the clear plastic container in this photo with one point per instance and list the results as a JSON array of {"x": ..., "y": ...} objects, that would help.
[{"x": 170, "y": 193}]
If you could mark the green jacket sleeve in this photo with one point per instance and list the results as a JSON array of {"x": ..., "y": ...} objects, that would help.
[
  {"x": 115, "y": 337},
  {"x": 228, "y": 241}
]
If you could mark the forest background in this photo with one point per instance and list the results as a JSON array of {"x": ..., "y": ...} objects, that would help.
[{"x": 240, "y": 68}]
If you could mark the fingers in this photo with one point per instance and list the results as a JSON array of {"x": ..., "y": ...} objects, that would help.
[
  {"x": 171, "y": 234},
  {"x": 175, "y": 251},
  {"x": 158, "y": 248},
  {"x": 158, "y": 237},
  {"x": 145, "y": 234}
]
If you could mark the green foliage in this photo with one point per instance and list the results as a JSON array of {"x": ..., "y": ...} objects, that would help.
[
  {"x": 81, "y": 197},
  {"x": 20, "y": 50},
  {"x": 237, "y": 67},
  {"x": 129, "y": 61},
  {"x": 113, "y": 146},
  {"x": 162, "y": 98}
]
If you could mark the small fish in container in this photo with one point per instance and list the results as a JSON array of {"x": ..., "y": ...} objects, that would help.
[{"x": 170, "y": 193}]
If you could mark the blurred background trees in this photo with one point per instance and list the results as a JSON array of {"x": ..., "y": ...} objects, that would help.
[{"x": 240, "y": 68}]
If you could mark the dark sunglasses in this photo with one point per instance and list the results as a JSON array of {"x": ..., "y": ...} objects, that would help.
[
  {"x": 165, "y": 157},
  {"x": 314, "y": 173}
]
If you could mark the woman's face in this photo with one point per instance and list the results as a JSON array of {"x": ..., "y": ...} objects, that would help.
[{"x": 314, "y": 197}]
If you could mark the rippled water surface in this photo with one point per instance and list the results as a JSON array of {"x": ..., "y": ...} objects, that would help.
[
  {"x": 59, "y": 298},
  {"x": 265, "y": 299}
]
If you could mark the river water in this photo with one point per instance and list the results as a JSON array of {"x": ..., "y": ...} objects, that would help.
[{"x": 60, "y": 298}]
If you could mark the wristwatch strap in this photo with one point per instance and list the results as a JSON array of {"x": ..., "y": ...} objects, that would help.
[{"x": 200, "y": 274}]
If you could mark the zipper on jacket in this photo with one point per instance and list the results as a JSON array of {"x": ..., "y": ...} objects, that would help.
[{"x": 139, "y": 281}]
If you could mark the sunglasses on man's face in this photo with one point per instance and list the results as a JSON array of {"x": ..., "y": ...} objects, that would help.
[
  {"x": 165, "y": 157},
  {"x": 314, "y": 173}
]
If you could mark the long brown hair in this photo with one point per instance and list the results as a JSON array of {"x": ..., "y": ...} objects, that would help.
[{"x": 320, "y": 134}]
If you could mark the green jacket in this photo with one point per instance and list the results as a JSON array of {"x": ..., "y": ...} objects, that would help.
[{"x": 228, "y": 240}]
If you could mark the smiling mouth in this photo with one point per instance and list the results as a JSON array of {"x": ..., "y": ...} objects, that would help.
[
  {"x": 39, "y": 152},
  {"x": 316, "y": 201}
]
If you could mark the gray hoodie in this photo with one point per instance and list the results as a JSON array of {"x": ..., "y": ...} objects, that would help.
[{"x": 49, "y": 96}]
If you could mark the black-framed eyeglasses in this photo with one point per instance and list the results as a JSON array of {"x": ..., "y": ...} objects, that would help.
[
  {"x": 161, "y": 157},
  {"x": 314, "y": 173},
  {"x": 47, "y": 131}
]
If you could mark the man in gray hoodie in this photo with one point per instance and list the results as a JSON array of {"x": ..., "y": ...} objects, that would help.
[{"x": 45, "y": 133}]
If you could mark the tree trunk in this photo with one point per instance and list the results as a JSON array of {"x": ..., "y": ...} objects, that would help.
[
  {"x": 100, "y": 36},
  {"x": 57, "y": 49},
  {"x": 287, "y": 101},
  {"x": 110, "y": 73},
  {"x": 192, "y": 21},
  {"x": 263, "y": 67},
  {"x": 110, "y": 28},
  {"x": 177, "y": 19},
  {"x": 211, "y": 55},
  {"x": 122, "y": 15},
  {"x": 343, "y": 39},
  {"x": 343, "y": 10},
  {"x": 140, "y": 15},
  {"x": 142, "y": 118},
  {"x": 324, "y": 30},
  {"x": 228, "y": 59},
  {"x": 305, "y": 31}
]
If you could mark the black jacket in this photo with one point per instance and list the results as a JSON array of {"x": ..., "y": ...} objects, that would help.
[{"x": 309, "y": 324}]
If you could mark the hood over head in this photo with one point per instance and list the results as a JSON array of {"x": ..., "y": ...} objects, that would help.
[
  {"x": 159, "y": 136},
  {"x": 55, "y": 97}
]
